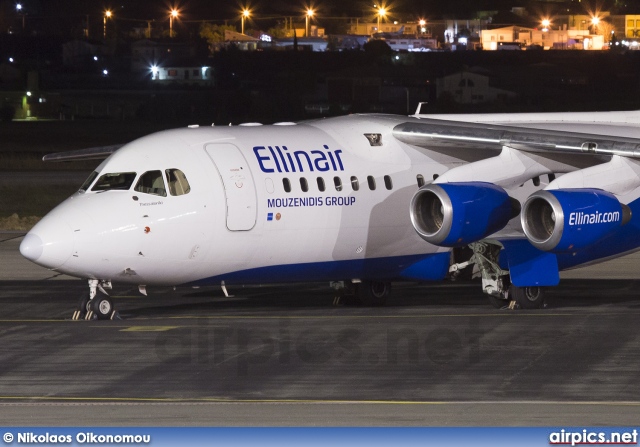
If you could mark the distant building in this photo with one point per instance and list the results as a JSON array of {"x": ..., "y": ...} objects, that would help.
[
  {"x": 411, "y": 43},
  {"x": 76, "y": 53},
  {"x": 568, "y": 39},
  {"x": 370, "y": 28},
  {"x": 311, "y": 43},
  {"x": 471, "y": 88},
  {"x": 182, "y": 75},
  {"x": 147, "y": 53}
]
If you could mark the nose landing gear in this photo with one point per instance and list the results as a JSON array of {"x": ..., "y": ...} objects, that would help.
[{"x": 93, "y": 306}]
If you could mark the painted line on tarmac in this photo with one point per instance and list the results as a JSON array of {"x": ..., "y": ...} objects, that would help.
[
  {"x": 328, "y": 317},
  {"x": 11, "y": 400}
]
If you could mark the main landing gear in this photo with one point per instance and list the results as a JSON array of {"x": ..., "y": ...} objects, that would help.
[
  {"x": 365, "y": 293},
  {"x": 496, "y": 282},
  {"x": 96, "y": 306}
]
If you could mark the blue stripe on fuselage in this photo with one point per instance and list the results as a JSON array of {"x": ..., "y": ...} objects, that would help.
[{"x": 431, "y": 267}]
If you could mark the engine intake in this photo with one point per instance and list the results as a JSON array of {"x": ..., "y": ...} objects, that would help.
[
  {"x": 571, "y": 219},
  {"x": 457, "y": 214}
]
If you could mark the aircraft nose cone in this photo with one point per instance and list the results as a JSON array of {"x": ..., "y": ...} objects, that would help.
[
  {"x": 50, "y": 245},
  {"x": 31, "y": 247}
]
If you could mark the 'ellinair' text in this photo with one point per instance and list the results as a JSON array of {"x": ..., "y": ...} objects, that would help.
[{"x": 278, "y": 158}]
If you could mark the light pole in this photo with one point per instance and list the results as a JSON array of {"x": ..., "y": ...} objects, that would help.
[
  {"x": 381, "y": 13},
  {"x": 308, "y": 16},
  {"x": 107, "y": 15},
  {"x": 245, "y": 15},
  {"x": 19, "y": 9},
  {"x": 594, "y": 22},
  {"x": 173, "y": 15}
]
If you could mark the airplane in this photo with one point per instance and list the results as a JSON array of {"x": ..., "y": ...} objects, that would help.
[
  {"x": 358, "y": 201},
  {"x": 389, "y": 34}
]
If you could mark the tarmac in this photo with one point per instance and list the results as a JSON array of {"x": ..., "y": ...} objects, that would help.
[{"x": 436, "y": 355}]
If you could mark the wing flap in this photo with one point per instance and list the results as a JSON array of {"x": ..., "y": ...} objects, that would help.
[
  {"x": 434, "y": 133},
  {"x": 94, "y": 153}
]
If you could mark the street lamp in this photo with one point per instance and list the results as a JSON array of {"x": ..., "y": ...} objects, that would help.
[
  {"x": 381, "y": 13},
  {"x": 245, "y": 15},
  {"x": 107, "y": 15},
  {"x": 308, "y": 16},
  {"x": 545, "y": 23},
  {"x": 174, "y": 15},
  {"x": 423, "y": 24}
]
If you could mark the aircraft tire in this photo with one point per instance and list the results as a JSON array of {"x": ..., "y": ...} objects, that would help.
[
  {"x": 527, "y": 297},
  {"x": 102, "y": 307},
  {"x": 83, "y": 305},
  {"x": 373, "y": 293}
]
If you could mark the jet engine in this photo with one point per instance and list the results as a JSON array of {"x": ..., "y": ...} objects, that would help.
[
  {"x": 457, "y": 214},
  {"x": 565, "y": 220}
]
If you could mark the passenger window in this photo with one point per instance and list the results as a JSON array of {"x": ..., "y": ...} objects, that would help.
[
  {"x": 287, "y": 185},
  {"x": 354, "y": 183},
  {"x": 435, "y": 176},
  {"x": 338, "y": 183},
  {"x": 151, "y": 183},
  {"x": 89, "y": 181},
  {"x": 177, "y": 182},
  {"x": 372, "y": 183},
  {"x": 121, "y": 181},
  {"x": 420, "y": 179},
  {"x": 321, "y": 186},
  {"x": 303, "y": 184},
  {"x": 388, "y": 183}
]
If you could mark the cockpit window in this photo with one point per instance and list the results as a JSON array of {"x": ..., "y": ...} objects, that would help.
[
  {"x": 151, "y": 183},
  {"x": 177, "y": 181},
  {"x": 117, "y": 180},
  {"x": 89, "y": 181}
]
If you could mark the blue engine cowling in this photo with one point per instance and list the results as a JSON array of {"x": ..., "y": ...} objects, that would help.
[
  {"x": 566, "y": 220},
  {"x": 457, "y": 214}
]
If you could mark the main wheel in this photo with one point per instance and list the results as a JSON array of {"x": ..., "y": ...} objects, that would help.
[
  {"x": 102, "y": 307},
  {"x": 373, "y": 293},
  {"x": 527, "y": 297},
  {"x": 83, "y": 305}
]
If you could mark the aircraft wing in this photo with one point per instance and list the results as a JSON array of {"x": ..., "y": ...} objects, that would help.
[
  {"x": 94, "y": 153},
  {"x": 463, "y": 136}
]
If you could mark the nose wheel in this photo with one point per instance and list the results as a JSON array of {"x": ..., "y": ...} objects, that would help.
[{"x": 94, "y": 306}]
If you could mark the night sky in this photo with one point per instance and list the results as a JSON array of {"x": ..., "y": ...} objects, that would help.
[{"x": 226, "y": 9}]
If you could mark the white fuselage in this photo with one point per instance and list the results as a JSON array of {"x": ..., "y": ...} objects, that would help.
[{"x": 256, "y": 210}]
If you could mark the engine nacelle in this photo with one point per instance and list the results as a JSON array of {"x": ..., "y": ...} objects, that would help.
[
  {"x": 565, "y": 220},
  {"x": 457, "y": 214}
]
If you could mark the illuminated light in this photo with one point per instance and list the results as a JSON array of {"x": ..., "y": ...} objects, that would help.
[
  {"x": 174, "y": 13},
  {"x": 265, "y": 38},
  {"x": 10, "y": 59},
  {"x": 546, "y": 23},
  {"x": 95, "y": 58},
  {"x": 310, "y": 12},
  {"x": 28, "y": 93},
  {"x": 397, "y": 58},
  {"x": 105, "y": 72},
  {"x": 422, "y": 22},
  {"x": 108, "y": 14},
  {"x": 19, "y": 7},
  {"x": 246, "y": 13},
  {"x": 595, "y": 20}
]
